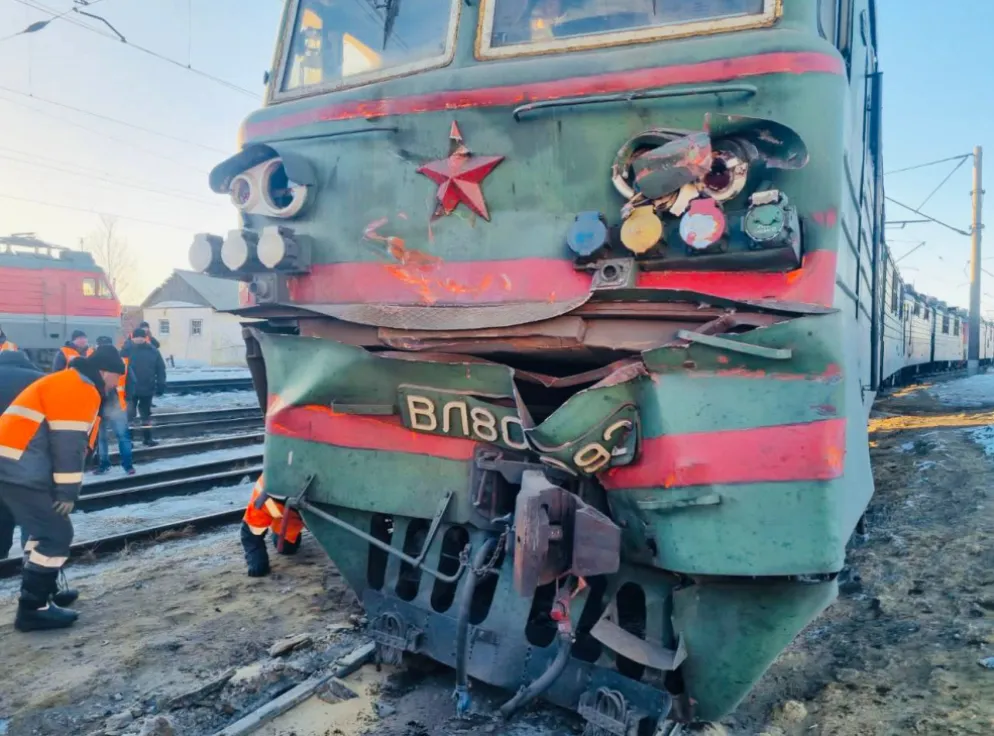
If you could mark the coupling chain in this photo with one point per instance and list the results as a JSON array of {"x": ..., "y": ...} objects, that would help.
[{"x": 488, "y": 567}]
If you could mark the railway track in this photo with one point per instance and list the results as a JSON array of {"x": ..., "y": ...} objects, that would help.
[
  {"x": 114, "y": 542},
  {"x": 123, "y": 490},
  {"x": 183, "y": 481},
  {"x": 180, "y": 449},
  {"x": 208, "y": 385},
  {"x": 211, "y": 421}
]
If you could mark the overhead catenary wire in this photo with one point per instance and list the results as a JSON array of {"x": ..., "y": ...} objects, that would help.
[
  {"x": 108, "y": 118},
  {"x": 91, "y": 211},
  {"x": 106, "y": 136},
  {"x": 121, "y": 39},
  {"x": 118, "y": 183},
  {"x": 963, "y": 156},
  {"x": 55, "y": 16}
]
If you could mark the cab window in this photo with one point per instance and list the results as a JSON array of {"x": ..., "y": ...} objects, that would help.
[
  {"x": 563, "y": 23},
  {"x": 104, "y": 291},
  {"x": 89, "y": 287},
  {"x": 332, "y": 43}
]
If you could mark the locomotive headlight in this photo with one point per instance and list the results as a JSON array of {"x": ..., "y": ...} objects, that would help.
[
  {"x": 282, "y": 197},
  {"x": 244, "y": 194},
  {"x": 205, "y": 252},
  {"x": 238, "y": 249},
  {"x": 727, "y": 177}
]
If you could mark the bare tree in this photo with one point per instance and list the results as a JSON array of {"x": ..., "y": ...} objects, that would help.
[{"x": 112, "y": 253}]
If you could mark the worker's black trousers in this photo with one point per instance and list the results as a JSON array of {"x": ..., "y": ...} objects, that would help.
[
  {"x": 49, "y": 534},
  {"x": 142, "y": 407}
]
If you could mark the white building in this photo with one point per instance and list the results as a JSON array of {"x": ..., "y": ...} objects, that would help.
[{"x": 186, "y": 317}]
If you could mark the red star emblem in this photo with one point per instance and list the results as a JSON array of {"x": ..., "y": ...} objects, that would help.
[{"x": 459, "y": 177}]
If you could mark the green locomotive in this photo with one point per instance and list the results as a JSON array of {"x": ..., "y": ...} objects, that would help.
[{"x": 567, "y": 347}]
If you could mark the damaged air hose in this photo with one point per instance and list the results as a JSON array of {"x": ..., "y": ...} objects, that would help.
[
  {"x": 538, "y": 686},
  {"x": 461, "y": 693}
]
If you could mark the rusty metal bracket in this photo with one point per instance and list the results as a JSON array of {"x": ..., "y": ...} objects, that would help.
[
  {"x": 417, "y": 563},
  {"x": 724, "y": 343}
]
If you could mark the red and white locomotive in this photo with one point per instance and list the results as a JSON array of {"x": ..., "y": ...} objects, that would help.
[{"x": 47, "y": 291}]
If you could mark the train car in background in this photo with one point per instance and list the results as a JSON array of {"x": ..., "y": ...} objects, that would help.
[{"x": 47, "y": 291}]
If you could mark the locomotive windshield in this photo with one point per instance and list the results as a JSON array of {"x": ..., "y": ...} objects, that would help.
[
  {"x": 331, "y": 41},
  {"x": 535, "y": 21}
]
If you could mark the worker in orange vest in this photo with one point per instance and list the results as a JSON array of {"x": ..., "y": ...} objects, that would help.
[
  {"x": 6, "y": 344},
  {"x": 77, "y": 347},
  {"x": 45, "y": 435},
  {"x": 266, "y": 513},
  {"x": 114, "y": 418}
]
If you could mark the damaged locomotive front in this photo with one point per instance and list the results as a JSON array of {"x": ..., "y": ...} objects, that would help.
[{"x": 548, "y": 346}]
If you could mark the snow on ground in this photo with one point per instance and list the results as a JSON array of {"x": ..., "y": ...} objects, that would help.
[
  {"x": 132, "y": 517},
  {"x": 967, "y": 393},
  {"x": 204, "y": 402},
  {"x": 984, "y": 436},
  {"x": 170, "y": 463},
  {"x": 176, "y": 375}
]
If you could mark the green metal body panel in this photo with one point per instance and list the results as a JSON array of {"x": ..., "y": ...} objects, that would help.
[{"x": 732, "y": 468}]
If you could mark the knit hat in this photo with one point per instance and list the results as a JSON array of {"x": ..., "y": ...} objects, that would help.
[
  {"x": 77, "y": 333},
  {"x": 106, "y": 358},
  {"x": 144, "y": 325},
  {"x": 139, "y": 333},
  {"x": 104, "y": 340}
]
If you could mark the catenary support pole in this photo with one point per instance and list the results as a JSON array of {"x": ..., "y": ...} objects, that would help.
[{"x": 973, "y": 342}]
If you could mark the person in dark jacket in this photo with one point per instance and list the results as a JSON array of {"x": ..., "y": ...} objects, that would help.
[
  {"x": 146, "y": 378},
  {"x": 45, "y": 434},
  {"x": 77, "y": 347},
  {"x": 129, "y": 343},
  {"x": 6, "y": 344},
  {"x": 16, "y": 374}
]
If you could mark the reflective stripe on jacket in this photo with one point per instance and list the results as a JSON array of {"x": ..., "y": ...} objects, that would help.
[
  {"x": 264, "y": 512},
  {"x": 122, "y": 386},
  {"x": 8, "y": 345},
  {"x": 45, "y": 433}
]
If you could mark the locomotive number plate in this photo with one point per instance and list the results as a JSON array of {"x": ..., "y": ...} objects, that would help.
[{"x": 458, "y": 415}]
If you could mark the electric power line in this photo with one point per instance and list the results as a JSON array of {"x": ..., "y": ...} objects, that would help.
[
  {"x": 101, "y": 116},
  {"x": 124, "y": 184},
  {"x": 150, "y": 52},
  {"x": 58, "y": 16},
  {"x": 929, "y": 163},
  {"x": 106, "y": 136},
  {"x": 941, "y": 183},
  {"x": 172, "y": 226}
]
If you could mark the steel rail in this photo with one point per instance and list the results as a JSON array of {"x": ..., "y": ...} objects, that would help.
[
  {"x": 205, "y": 415},
  {"x": 180, "y": 449},
  {"x": 166, "y": 489},
  {"x": 184, "y": 474},
  {"x": 207, "y": 385},
  {"x": 11, "y": 566}
]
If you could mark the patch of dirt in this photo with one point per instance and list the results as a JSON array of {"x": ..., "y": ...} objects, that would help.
[
  {"x": 160, "y": 621},
  {"x": 899, "y": 652}
]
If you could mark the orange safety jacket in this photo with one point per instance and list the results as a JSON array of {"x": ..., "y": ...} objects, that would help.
[
  {"x": 8, "y": 345},
  {"x": 264, "y": 512},
  {"x": 45, "y": 433},
  {"x": 122, "y": 384},
  {"x": 71, "y": 354}
]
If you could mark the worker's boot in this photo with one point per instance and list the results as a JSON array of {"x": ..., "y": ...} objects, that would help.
[
  {"x": 289, "y": 548},
  {"x": 35, "y": 611},
  {"x": 63, "y": 595},
  {"x": 147, "y": 438},
  {"x": 255, "y": 552}
]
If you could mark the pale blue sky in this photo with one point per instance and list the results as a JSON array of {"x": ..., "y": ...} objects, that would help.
[{"x": 937, "y": 103}]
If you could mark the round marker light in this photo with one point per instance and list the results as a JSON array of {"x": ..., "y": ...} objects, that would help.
[
  {"x": 703, "y": 224},
  {"x": 272, "y": 247},
  {"x": 642, "y": 230},
  {"x": 237, "y": 249},
  {"x": 204, "y": 251},
  {"x": 587, "y": 234}
]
